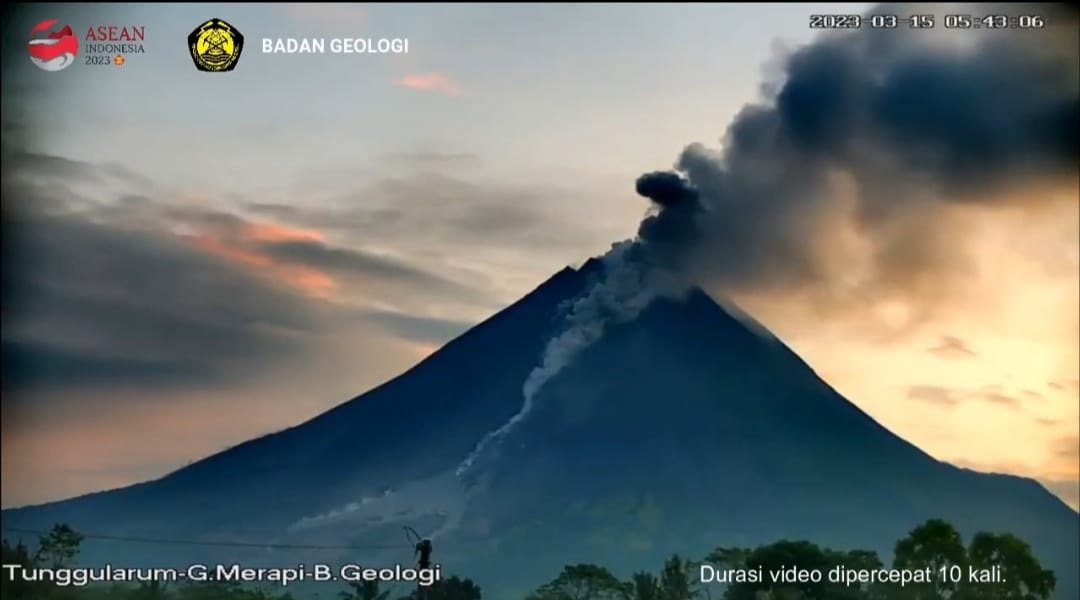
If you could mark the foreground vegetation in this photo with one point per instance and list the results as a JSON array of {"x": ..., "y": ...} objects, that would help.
[{"x": 1004, "y": 561}]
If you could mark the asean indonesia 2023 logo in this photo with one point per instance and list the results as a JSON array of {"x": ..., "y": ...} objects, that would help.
[
  {"x": 215, "y": 46},
  {"x": 51, "y": 47}
]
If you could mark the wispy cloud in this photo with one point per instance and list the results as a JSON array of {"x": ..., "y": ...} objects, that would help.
[
  {"x": 133, "y": 290},
  {"x": 431, "y": 82},
  {"x": 933, "y": 394},
  {"x": 951, "y": 346},
  {"x": 1068, "y": 384},
  {"x": 995, "y": 396},
  {"x": 1063, "y": 469},
  {"x": 310, "y": 281},
  {"x": 103, "y": 304},
  {"x": 274, "y": 232},
  {"x": 236, "y": 240},
  {"x": 946, "y": 396},
  {"x": 1066, "y": 450}
]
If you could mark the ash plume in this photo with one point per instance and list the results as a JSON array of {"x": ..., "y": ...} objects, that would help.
[
  {"x": 911, "y": 122},
  {"x": 883, "y": 127}
]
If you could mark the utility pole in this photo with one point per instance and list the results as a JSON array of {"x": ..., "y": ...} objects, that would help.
[{"x": 422, "y": 551}]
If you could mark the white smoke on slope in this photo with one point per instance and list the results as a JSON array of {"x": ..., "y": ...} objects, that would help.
[
  {"x": 628, "y": 285},
  {"x": 441, "y": 496}
]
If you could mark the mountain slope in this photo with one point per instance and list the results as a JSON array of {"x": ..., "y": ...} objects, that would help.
[{"x": 676, "y": 432}]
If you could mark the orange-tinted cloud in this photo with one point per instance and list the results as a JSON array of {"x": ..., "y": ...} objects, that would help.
[
  {"x": 273, "y": 232},
  {"x": 308, "y": 280},
  {"x": 431, "y": 82}
]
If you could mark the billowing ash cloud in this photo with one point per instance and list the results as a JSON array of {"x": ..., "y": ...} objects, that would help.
[
  {"x": 881, "y": 127},
  {"x": 666, "y": 231},
  {"x": 885, "y": 128},
  {"x": 667, "y": 190}
]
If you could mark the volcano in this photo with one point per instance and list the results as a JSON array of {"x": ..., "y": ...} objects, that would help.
[{"x": 684, "y": 428}]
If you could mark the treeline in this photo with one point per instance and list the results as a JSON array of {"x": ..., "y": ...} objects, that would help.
[{"x": 990, "y": 566}]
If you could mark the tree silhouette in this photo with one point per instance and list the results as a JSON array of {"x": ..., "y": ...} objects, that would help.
[
  {"x": 729, "y": 558},
  {"x": 935, "y": 544},
  {"x": 645, "y": 586},
  {"x": 582, "y": 582},
  {"x": 13, "y": 586},
  {"x": 58, "y": 548},
  {"x": 857, "y": 560},
  {"x": 676, "y": 580},
  {"x": 777, "y": 557},
  {"x": 451, "y": 588},
  {"x": 1021, "y": 575},
  {"x": 150, "y": 590}
]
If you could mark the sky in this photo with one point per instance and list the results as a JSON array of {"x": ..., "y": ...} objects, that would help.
[{"x": 194, "y": 259}]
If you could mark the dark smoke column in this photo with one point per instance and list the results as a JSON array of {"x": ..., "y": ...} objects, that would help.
[{"x": 909, "y": 121}]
